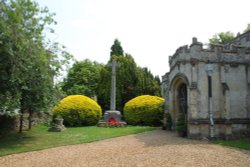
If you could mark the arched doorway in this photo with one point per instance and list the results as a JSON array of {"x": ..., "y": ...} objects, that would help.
[
  {"x": 182, "y": 98},
  {"x": 179, "y": 102},
  {"x": 182, "y": 112}
]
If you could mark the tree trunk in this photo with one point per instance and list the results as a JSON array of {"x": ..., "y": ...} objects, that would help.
[
  {"x": 21, "y": 121},
  {"x": 30, "y": 118},
  {"x": 21, "y": 116}
]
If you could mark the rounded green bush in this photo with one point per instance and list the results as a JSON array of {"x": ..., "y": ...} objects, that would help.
[
  {"x": 77, "y": 110},
  {"x": 144, "y": 110}
]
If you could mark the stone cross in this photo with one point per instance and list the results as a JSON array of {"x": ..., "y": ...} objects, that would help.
[
  {"x": 113, "y": 86},
  {"x": 112, "y": 116}
]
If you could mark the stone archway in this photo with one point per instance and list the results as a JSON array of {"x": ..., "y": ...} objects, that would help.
[
  {"x": 182, "y": 98},
  {"x": 179, "y": 96},
  {"x": 182, "y": 107}
]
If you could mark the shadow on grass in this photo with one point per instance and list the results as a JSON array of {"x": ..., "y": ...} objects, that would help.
[{"x": 15, "y": 141}]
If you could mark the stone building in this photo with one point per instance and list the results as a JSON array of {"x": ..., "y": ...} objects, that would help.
[{"x": 211, "y": 87}]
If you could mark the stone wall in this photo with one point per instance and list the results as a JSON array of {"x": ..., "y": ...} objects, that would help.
[
  {"x": 11, "y": 124},
  {"x": 230, "y": 86}
]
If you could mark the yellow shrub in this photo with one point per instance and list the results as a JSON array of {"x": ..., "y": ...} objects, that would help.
[
  {"x": 78, "y": 110},
  {"x": 144, "y": 110}
]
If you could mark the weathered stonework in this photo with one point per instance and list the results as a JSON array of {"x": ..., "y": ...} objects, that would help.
[
  {"x": 229, "y": 102},
  {"x": 57, "y": 126},
  {"x": 112, "y": 117}
]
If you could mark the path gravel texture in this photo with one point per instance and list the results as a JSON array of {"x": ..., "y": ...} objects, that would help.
[{"x": 151, "y": 149}]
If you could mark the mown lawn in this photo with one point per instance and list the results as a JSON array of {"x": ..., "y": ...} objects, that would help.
[
  {"x": 39, "y": 138},
  {"x": 243, "y": 144}
]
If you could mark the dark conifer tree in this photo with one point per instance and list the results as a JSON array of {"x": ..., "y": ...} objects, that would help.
[{"x": 116, "y": 48}]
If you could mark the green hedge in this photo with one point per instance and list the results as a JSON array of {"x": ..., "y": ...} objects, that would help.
[
  {"x": 144, "y": 110},
  {"x": 181, "y": 126},
  {"x": 169, "y": 121},
  {"x": 78, "y": 110}
]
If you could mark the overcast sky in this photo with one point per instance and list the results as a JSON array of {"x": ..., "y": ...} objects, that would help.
[{"x": 149, "y": 30}]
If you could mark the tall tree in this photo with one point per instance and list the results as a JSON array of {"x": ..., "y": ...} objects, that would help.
[
  {"x": 125, "y": 82},
  {"x": 83, "y": 78},
  {"x": 147, "y": 83},
  {"x": 28, "y": 62},
  {"x": 131, "y": 81},
  {"x": 116, "y": 48},
  {"x": 222, "y": 37}
]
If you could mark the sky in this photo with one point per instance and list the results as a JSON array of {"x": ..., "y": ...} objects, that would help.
[{"x": 149, "y": 30}]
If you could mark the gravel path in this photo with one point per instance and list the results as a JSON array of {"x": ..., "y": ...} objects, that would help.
[{"x": 155, "y": 148}]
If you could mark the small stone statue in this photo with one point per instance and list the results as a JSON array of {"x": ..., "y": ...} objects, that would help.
[{"x": 57, "y": 126}]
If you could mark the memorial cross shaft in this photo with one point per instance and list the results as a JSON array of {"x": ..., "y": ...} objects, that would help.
[
  {"x": 112, "y": 116},
  {"x": 113, "y": 86}
]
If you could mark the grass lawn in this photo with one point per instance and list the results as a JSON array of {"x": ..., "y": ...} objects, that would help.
[
  {"x": 39, "y": 138},
  {"x": 243, "y": 144}
]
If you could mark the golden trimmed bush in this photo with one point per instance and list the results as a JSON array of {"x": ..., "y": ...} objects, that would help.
[
  {"x": 78, "y": 110},
  {"x": 144, "y": 110}
]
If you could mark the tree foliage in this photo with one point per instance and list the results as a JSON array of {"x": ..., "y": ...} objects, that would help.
[
  {"x": 131, "y": 81},
  {"x": 125, "y": 82},
  {"x": 147, "y": 82},
  {"x": 222, "y": 37},
  {"x": 91, "y": 78},
  {"x": 83, "y": 78},
  {"x": 116, "y": 48},
  {"x": 28, "y": 62}
]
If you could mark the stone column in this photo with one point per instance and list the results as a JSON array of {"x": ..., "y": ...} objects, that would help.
[
  {"x": 112, "y": 113},
  {"x": 113, "y": 86},
  {"x": 210, "y": 98},
  {"x": 248, "y": 94},
  {"x": 225, "y": 92},
  {"x": 193, "y": 92}
]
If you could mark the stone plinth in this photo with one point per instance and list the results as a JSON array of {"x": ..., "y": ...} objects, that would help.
[
  {"x": 114, "y": 114},
  {"x": 112, "y": 118},
  {"x": 57, "y": 126}
]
